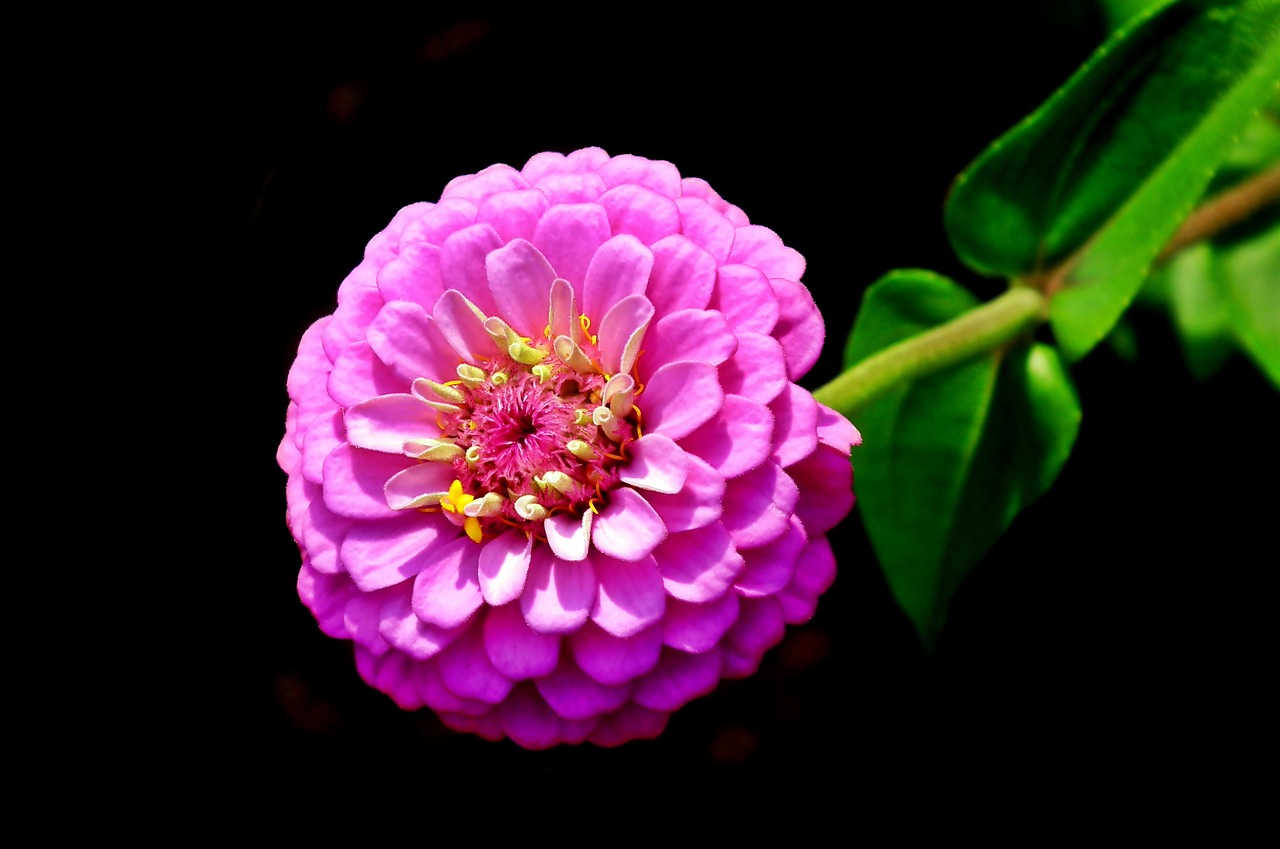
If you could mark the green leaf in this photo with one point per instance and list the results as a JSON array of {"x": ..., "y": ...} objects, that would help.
[
  {"x": 1105, "y": 171},
  {"x": 950, "y": 459},
  {"x": 1251, "y": 273}
]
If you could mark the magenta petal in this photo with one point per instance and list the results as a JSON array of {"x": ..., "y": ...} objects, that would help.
[
  {"x": 680, "y": 397},
  {"x": 354, "y": 480},
  {"x": 442, "y": 699},
  {"x": 359, "y": 374},
  {"x": 825, "y": 479},
  {"x": 326, "y": 596},
  {"x": 611, "y": 660},
  {"x": 446, "y": 592},
  {"x": 325, "y": 434},
  {"x": 698, "y": 627},
  {"x": 628, "y": 528},
  {"x": 503, "y": 566},
  {"x": 406, "y": 338},
  {"x": 758, "y": 506},
  {"x": 361, "y": 619},
  {"x": 771, "y": 567},
  {"x": 631, "y": 596},
  {"x": 677, "y": 679},
  {"x": 699, "y": 566},
  {"x": 568, "y": 535},
  {"x": 795, "y": 428},
  {"x": 558, "y": 595},
  {"x": 621, "y": 332},
  {"x": 462, "y": 264},
  {"x": 520, "y": 279},
  {"x": 758, "y": 370},
  {"x": 317, "y": 529},
  {"x": 799, "y": 327},
  {"x": 629, "y": 722},
  {"x": 466, "y": 670},
  {"x": 656, "y": 464},
  {"x": 640, "y": 212},
  {"x": 514, "y": 215},
  {"x": 571, "y": 188},
  {"x": 701, "y": 335},
  {"x": 387, "y": 422},
  {"x": 412, "y": 276},
  {"x": 492, "y": 180},
  {"x": 516, "y": 650},
  {"x": 401, "y": 628},
  {"x": 698, "y": 503},
  {"x": 350, "y": 320},
  {"x": 463, "y": 328},
  {"x": 380, "y": 554},
  {"x": 683, "y": 276},
  {"x": 618, "y": 269},
  {"x": 392, "y": 673},
  {"x": 573, "y": 694},
  {"x": 528, "y": 721},
  {"x": 569, "y": 235},
  {"x": 738, "y": 439},
  {"x": 834, "y": 430},
  {"x": 762, "y": 248},
  {"x": 403, "y": 489},
  {"x": 657, "y": 175},
  {"x": 815, "y": 573},
  {"x": 701, "y": 223},
  {"x": 760, "y": 627},
  {"x": 745, "y": 297}
]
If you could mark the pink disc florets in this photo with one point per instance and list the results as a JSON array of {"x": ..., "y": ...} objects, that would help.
[{"x": 549, "y": 468}]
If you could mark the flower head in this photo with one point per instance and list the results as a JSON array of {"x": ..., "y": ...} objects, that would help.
[{"x": 548, "y": 465}]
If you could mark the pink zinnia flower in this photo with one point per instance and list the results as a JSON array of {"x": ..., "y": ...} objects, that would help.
[{"x": 549, "y": 467}]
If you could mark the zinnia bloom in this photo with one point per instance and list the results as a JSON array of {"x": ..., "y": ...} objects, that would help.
[{"x": 548, "y": 465}]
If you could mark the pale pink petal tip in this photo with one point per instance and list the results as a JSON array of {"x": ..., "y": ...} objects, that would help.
[{"x": 548, "y": 464}]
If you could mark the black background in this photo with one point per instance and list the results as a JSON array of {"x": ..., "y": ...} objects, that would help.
[{"x": 1117, "y": 631}]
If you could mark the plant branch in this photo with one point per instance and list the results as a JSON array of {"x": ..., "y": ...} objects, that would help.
[
  {"x": 978, "y": 331},
  {"x": 1225, "y": 209}
]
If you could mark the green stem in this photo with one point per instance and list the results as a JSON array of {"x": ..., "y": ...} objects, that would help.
[{"x": 978, "y": 331}]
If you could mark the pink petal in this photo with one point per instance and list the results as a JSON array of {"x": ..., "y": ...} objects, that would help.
[
  {"x": 621, "y": 333},
  {"x": 325, "y": 434},
  {"x": 640, "y": 212},
  {"x": 835, "y": 430},
  {"x": 361, "y": 620},
  {"x": 698, "y": 627},
  {"x": 739, "y": 438},
  {"x": 400, "y": 627},
  {"x": 558, "y": 595},
  {"x": 326, "y": 596},
  {"x": 745, "y": 297},
  {"x": 407, "y": 339},
  {"x": 446, "y": 592},
  {"x": 359, "y": 374},
  {"x": 683, "y": 276},
  {"x": 463, "y": 329},
  {"x": 618, "y": 269},
  {"x": 569, "y": 234},
  {"x": 380, "y": 554},
  {"x": 317, "y": 529},
  {"x": 412, "y": 276},
  {"x": 707, "y": 227},
  {"x": 762, "y": 248},
  {"x": 760, "y": 627},
  {"x": 658, "y": 175},
  {"x": 699, "y": 501},
  {"x": 758, "y": 370},
  {"x": 825, "y": 479},
  {"x": 513, "y": 215},
  {"x": 677, "y": 679},
  {"x": 405, "y": 486},
  {"x": 520, "y": 280},
  {"x": 613, "y": 661},
  {"x": 701, "y": 335},
  {"x": 392, "y": 673},
  {"x": 771, "y": 567},
  {"x": 627, "y": 528},
  {"x": 528, "y": 721},
  {"x": 503, "y": 566},
  {"x": 516, "y": 650},
  {"x": 679, "y": 398},
  {"x": 573, "y": 694},
  {"x": 569, "y": 536},
  {"x": 799, "y": 327},
  {"x": 758, "y": 506},
  {"x": 795, "y": 428},
  {"x": 815, "y": 573},
  {"x": 571, "y": 188},
  {"x": 656, "y": 463},
  {"x": 387, "y": 422},
  {"x": 629, "y": 722},
  {"x": 462, "y": 264},
  {"x": 700, "y": 565},
  {"x": 631, "y": 596},
  {"x": 481, "y": 185},
  {"x": 466, "y": 670},
  {"x": 350, "y": 320},
  {"x": 439, "y": 222},
  {"x": 354, "y": 480}
]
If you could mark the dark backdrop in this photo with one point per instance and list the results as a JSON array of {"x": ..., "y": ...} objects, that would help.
[{"x": 1117, "y": 627}]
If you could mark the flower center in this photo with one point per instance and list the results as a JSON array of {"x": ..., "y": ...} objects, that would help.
[{"x": 529, "y": 434}]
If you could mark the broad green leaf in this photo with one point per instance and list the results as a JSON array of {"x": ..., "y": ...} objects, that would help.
[
  {"x": 949, "y": 460},
  {"x": 1117, "y": 13},
  {"x": 1105, "y": 171},
  {"x": 1201, "y": 310},
  {"x": 1251, "y": 273}
]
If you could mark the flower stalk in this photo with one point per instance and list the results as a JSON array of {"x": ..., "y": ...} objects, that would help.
[{"x": 978, "y": 331}]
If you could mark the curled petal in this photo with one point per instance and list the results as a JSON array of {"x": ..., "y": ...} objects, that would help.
[
  {"x": 628, "y": 528},
  {"x": 631, "y": 596},
  {"x": 657, "y": 464},
  {"x": 503, "y": 566},
  {"x": 680, "y": 397},
  {"x": 520, "y": 278},
  {"x": 558, "y": 595}
]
